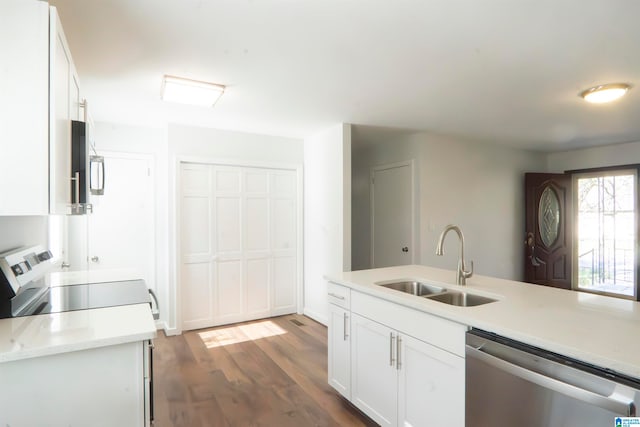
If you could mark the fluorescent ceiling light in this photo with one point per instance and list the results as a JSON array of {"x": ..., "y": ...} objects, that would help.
[
  {"x": 605, "y": 93},
  {"x": 193, "y": 92}
]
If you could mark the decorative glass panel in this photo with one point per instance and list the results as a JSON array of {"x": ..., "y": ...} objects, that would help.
[{"x": 549, "y": 216}]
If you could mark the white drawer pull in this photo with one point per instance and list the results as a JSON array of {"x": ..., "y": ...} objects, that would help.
[{"x": 331, "y": 294}]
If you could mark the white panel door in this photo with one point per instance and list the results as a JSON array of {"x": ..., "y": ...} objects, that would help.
[
  {"x": 249, "y": 234},
  {"x": 257, "y": 253},
  {"x": 374, "y": 379},
  {"x": 197, "y": 264},
  {"x": 228, "y": 230},
  {"x": 392, "y": 215},
  {"x": 431, "y": 385},
  {"x": 122, "y": 225},
  {"x": 284, "y": 245}
]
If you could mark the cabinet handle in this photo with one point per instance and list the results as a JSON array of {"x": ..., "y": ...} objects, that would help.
[
  {"x": 331, "y": 294},
  {"x": 345, "y": 317},
  {"x": 392, "y": 339},
  {"x": 398, "y": 346}
]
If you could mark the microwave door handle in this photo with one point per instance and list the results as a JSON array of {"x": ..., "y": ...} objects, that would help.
[
  {"x": 102, "y": 174},
  {"x": 616, "y": 404}
]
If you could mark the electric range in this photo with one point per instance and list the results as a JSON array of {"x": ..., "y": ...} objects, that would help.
[{"x": 25, "y": 290}]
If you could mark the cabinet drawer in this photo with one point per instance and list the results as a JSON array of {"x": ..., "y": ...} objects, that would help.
[
  {"x": 339, "y": 295},
  {"x": 442, "y": 333}
]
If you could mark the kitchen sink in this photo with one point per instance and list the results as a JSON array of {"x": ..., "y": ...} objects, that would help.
[
  {"x": 414, "y": 288},
  {"x": 461, "y": 299}
]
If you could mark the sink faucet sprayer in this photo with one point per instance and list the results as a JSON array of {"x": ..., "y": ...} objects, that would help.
[{"x": 462, "y": 274}]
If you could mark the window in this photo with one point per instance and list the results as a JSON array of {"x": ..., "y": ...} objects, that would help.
[{"x": 606, "y": 211}]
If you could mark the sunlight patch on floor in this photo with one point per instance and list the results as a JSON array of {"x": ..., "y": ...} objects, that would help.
[{"x": 240, "y": 333}]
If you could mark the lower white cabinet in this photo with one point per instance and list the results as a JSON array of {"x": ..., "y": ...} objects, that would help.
[
  {"x": 430, "y": 385},
  {"x": 396, "y": 378},
  {"x": 106, "y": 386},
  {"x": 374, "y": 375},
  {"x": 339, "y": 347}
]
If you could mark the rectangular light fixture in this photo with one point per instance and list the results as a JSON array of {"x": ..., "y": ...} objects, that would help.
[{"x": 193, "y": 92}]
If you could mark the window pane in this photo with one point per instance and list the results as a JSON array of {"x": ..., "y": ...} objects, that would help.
[{"x": 606, "y": 233}]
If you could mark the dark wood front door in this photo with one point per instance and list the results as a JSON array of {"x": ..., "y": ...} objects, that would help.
[{"x": 548, "y": 236}]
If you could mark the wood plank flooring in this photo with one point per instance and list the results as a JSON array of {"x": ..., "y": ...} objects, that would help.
[{"x": 270, "y": 372}]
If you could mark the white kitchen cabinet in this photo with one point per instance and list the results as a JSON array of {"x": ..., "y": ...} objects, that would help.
[
  {"x": 104, "y": 386},
  {"x": 430, "y": 385},
  {"x": 374, "y": 377},
  {"x": 339, "y": 340},
  {"x": 65, "y": 105},
  {"x": 24, "y": 124},
  {"x": 407, "y": 366}
]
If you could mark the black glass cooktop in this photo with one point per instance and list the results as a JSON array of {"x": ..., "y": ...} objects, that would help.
[{"x": 84, "y": 296}]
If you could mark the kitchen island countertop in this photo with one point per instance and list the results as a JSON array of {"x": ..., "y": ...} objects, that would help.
[{"x": 599, "y": 330}]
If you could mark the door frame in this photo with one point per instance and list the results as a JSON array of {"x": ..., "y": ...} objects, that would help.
[
  {"x": 175, "y": 296},
  {"x": 414, "y": 217}
]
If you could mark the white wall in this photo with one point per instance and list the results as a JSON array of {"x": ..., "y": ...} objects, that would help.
[
  {"x": 609, "y": 155},
  {"x": 477, "y": 186},
  {"x": 327, "y": 214},
  {"x": 208, "y": 145},
  {"x": 16, "y": 231}
]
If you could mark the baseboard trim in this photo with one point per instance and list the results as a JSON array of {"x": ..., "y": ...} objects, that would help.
[{"x": 316, "y": 316}]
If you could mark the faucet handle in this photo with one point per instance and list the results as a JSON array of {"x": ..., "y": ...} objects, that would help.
[{"x": 469, "y": 273}]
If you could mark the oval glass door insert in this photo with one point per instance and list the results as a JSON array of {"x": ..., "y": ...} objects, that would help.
[{"x": 549, "y": 216}]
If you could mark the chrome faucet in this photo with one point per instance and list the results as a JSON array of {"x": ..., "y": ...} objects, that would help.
[{"x": 462, "y": 275}]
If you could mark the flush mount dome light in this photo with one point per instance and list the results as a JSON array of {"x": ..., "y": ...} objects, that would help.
[
  {"x": 192, "y": 92},
  {"x": 605, "y": 93}
]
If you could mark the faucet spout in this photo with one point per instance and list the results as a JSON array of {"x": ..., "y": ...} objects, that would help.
[{"x": 462, "y": 274}]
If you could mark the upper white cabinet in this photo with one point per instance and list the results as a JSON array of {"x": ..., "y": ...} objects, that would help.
[
  {"x": 40, "y": 95},
  {"x": 65, "y": 105},
  {"x": 24, "y": 107}
]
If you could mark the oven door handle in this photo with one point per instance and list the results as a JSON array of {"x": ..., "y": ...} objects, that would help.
[
  {"x": 617, "y": 404},
  {"x": 156, "y": 312}
]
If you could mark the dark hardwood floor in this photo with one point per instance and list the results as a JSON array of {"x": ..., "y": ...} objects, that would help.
[{"x": 270, "y": 372}]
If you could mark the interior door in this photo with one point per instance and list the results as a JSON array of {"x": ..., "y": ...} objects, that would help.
[
  {"x": 548, "y": 236},
  {"x": 121, "y": 227},
  {"x": 392, "y": 215}
]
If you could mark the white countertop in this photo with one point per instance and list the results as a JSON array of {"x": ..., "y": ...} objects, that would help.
[
  {"x": 600, "y": 330},
  {"x": 47, "y": 334}
]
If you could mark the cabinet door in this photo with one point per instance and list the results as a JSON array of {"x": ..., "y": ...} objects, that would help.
[
  {"x": 431, "y": 385},
  {"x": 64, "y": 107},
  {"x": 374, "y": 379},
  {"x": 24, "y": 95},
  {"x": 340, "y": 350}
]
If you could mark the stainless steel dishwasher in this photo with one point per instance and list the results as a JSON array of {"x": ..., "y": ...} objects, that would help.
[{"x": 509, "y": 383}]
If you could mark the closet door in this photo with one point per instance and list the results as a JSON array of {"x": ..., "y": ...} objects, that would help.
[
  {"x": 228, "y": 232},
  {"x": 284, "y": 247},
  {"x": 257, "y": 248},
  {"x": 196, "y": 248},
  {"x": 238, "y": 244}
]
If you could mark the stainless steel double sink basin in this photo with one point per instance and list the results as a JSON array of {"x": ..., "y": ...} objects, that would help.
[{"x": 437, "y": 293}]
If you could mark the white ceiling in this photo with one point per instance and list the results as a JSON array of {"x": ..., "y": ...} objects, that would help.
[{"x": 506, "y": 71}]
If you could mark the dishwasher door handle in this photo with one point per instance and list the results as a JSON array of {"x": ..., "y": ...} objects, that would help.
[{"x": 618, "y": 405}]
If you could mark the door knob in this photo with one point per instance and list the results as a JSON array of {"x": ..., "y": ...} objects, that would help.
[
  {"x": 95, "y": 259},
  {"x": 405, "y": 249}
]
